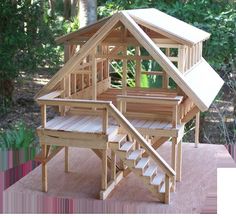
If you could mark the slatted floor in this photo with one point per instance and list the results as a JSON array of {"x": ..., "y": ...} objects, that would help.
[
  {"x": 83, "y": 123},
  {"x": 93, "y": 124}
]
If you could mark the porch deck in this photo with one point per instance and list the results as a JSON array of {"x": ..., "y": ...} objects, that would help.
[{"x": 77, "y": 191}]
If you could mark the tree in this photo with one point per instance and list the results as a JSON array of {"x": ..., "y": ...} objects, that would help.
[
  {"x": 87, "y": 12},
  {"x": 23, "y": 38}
]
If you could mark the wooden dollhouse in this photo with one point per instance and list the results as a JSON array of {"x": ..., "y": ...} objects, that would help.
[{"x": 125, "y": 126}]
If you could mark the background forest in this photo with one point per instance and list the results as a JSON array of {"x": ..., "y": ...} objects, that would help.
[{"x": 29, "y": 56}]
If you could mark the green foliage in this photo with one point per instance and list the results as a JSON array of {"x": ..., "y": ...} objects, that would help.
[{"x": 16, "y": 137}]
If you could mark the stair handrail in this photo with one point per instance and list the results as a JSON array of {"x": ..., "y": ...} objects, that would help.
[{"x": 121, "y": 119}]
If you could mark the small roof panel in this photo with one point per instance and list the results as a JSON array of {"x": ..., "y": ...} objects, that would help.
[
  {"x": 204, "y": 82},
  {"x": 169, "y": 26}
]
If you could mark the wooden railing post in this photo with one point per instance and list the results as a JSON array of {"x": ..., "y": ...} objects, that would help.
[
  {"x": 197, "y": 125},
  {"x": 105, "y": 121},
  {"x": 173, "y": 160},
  {"x": 175, "y": 116},
  {"x": 104, "y": 169},
  {"x": 167, "y": 189}
]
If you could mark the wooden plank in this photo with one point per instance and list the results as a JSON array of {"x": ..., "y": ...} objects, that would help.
[
  {"x": 74, "y": 103},
  {"x": 105, "y": 121},
  {"x": 43, "y": 115},
  {"x": 113, "y": 165},
  {"x": 167, "y": 189},
  {"x": 104, "y": 170},
  {"x": 92, "y": 141},
  {"x": 197, "y": 126},
  {"x": 44, "y": 170},
  {"x": 94, "y": 76},
  {"x": 66, "y": 159},
  {"x": 179, "y": 162},
  {"x": 138, "y": 67}
]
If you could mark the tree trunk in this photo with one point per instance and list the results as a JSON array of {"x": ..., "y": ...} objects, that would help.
[
  {"x": 6, "y": 89},
  {"x": 87, "y": 12},
  {"x": 67, "y": 7},
  {"x": 52, "y": 7},
  {"x": 74, "y": 8}
]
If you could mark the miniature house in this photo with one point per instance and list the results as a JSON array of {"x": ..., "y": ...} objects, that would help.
[{"x": 124, "y": 126}]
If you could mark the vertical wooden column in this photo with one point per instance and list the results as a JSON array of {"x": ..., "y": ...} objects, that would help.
[
  {"x": 124, "y": 78},
  {"x": 197, "y": 125},
  {"x": 44, "y": 151},
  {"x": 173, "y": 160},
  {"x": 181, "y": 58},
  {"x": 94, "y": 75},
  {"x": 179, "y": 162},
  {"x": 138, "y": 68},
  {"x": 167, "y": 189},
  {"x": 113, "y": 165},
  {"x": 166, "y": 76},
  {"x": 104, "y": 170}
]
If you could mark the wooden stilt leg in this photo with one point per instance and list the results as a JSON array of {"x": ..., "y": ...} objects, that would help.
[
  {"x": 66, "y": 159},
  {"x": 113, "y": 165},
  {"x": 173, "y": 161},
  {"x": 167, "y": 190},
  {"x": 179, "y": 162},
  {"x": 44, "y": 170},
  {"x": 104, "y": 169},
  {"x": 197, "y": 129}
]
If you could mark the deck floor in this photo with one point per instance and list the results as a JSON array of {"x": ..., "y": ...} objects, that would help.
[
  {"x": 93, "y": 124},
  {"x": 77, "y": 191}
]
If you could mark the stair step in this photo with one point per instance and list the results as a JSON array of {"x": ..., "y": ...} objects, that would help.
[
  {"x": 118, "y": 138},
  {"x": 142, "y": 164},
  {"x": 135, "y": 156},
  {"x": 158, "y": 179},
  {"x": 150, "y": 172},
  {"x": 126, "y": 146}
]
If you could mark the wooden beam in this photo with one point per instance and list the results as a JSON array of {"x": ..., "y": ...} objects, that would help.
[
  {"x": 197, "y": 125},
  {"x": 190, "y": 114},
  {"x": 138, "y": 68},
  {"x": 179, "y": 162},
  {"x": 44, "y": 170},
  {"x": 94, "y": 76},
  {"x": 66, "y": 159},
  {"x": 104, "y": 170}
]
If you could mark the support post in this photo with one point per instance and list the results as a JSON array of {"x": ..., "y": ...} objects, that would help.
[
  {"x": 138, "y": 68},
  {"x": 124, "y": 79},
  {"x": 179, "y": 162},
  {"x": 113, "y": 165},
  {"x": 104, "y": 169},
  {"x": 197, "y": 125},
  {"x": 167, "y": 189},
  {"x": 66, "y": 159},
  {"x": 105, "y": 121},
  {"x": 173, "y": 160},
  {"x": 94, "y": 76},
  {"x": 44, "y": 169}
]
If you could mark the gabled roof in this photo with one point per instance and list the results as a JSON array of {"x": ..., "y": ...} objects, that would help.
[
  {"x": 169, "y": 26},
  {"x": 201, "y": 92},
  {"x": 153, "y": 19}
]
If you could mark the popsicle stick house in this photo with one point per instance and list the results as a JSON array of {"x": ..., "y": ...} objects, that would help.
[{"x": 125, "y": 126}]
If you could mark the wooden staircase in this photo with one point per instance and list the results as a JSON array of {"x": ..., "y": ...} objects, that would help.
[{"x": 132, "y": 157}]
